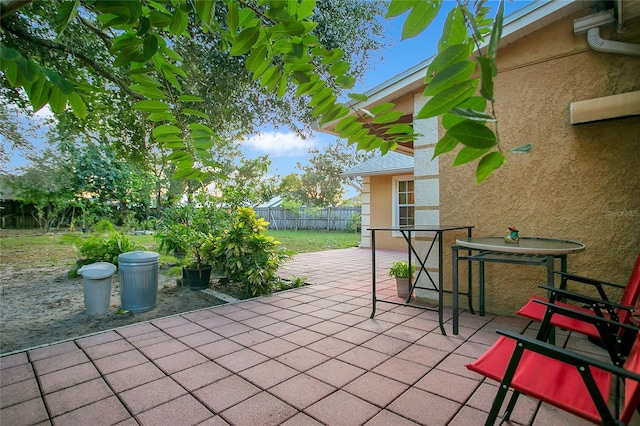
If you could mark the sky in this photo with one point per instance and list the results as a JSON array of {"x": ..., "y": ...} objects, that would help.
[{"x": 286, "y": 149}]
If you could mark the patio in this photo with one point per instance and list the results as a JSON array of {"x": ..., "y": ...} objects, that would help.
[{"x": 307, "y": 356}]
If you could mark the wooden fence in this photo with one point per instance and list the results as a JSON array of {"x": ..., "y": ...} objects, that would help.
[{"x": 327, "y": 219}]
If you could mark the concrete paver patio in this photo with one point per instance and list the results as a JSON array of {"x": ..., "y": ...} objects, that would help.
[{"x": 308, "y": 356}]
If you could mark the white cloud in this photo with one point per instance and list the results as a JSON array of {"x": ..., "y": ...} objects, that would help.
[{"x": 278, "y": 144}]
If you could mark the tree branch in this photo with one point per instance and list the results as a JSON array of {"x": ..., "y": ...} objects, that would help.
[
  {"x": 105, "y": 38},
  {"x": 69, "y": 50},
  {"x": 8, "y": 7}
]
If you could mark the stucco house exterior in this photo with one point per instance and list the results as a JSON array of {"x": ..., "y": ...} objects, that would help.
[{"x": 576, "y": 97}]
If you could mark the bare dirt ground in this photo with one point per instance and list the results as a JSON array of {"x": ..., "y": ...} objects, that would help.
[{"x": 41, "y": 305}]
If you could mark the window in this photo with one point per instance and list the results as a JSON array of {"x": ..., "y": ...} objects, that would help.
[{"x": 404, "y": 202}]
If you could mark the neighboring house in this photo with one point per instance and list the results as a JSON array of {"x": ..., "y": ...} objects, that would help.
[{"x": 576, "y": 98}]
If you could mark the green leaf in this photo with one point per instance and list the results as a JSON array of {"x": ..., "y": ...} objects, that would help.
[
  {"x": 446, "y": 144},
  {"x": 320, "y": 96},
  {"x": 489, "y": 163},
  {"x": 67, "y": 11},
  {"x": 245, "y": 41},
  {"x": 29, "y": 70},
  {"x": 346, "y": 82},
  {"x": 11, "y": 73},
  {"x": 339, "y": 68},
  {"x": 159, "y": 19},
  {"x": 398, "y": 129},
  {"x": 358, "y": 97},
  {"x": 306, "y": 8},
  {"x": 256, "y": 58},
  {"x": 204, "y": 9},
  {"x": 8, "y": 53},
  {"x": 422, "y": 14},
  {"x": 454, "y": 30},
  {"x": 196, "y": 113},
  {"x": 476, "y": 103},
  {"x": 190, "y": 98},
  {"x": 324, "y": 106},
  {"x": 127, "y": 56},
  {"x": 345, "y": 122},
  {"x": 473, "y": 135},
  {"x": 148, "y": 91},
  {"x": 496, "y": 34},
  {"x": 77, "y": 105},
  {"x": 522, "y": 149},
  {"x": 151, "y": 106},
  {"x": 336, "y": 112},
  {"x": 448, "y": 57},
  {"x": 450, "y": 76},
  {"x": 387, "y": 117},
  {"x": 233, "y": 20},
  {"x": 172, "y": 54},
  {"x": 287, "y": 29},
  {"x": 398, "y": 7},
  {"x": 447, "y": 99},
  {"x": 202, "y": 128},
  {"x": 57, "y": 100},
  {"x": 162, "y": 116},
  {"x": 471, "y": 114},
  {"x": 382, "y": 108},
  {"x": 332, "y": 56},
  {"x": 150, "y": 46},
  {"x": 165, "y": 129},
  {"x": 467, "y": 155},
  {"x": 179, "y": 22},
  {"x": 38, "y": 92},
  {"x": 486, "y": 80}
]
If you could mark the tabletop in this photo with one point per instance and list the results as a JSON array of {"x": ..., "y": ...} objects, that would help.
[
  {"x": 526, "y": 245},
  {"x": 417, "y": 228}
]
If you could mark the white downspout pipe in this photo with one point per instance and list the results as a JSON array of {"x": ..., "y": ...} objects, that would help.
[
  {"x": 599, "y": 44},
  {"x": 591, "y": 23}
]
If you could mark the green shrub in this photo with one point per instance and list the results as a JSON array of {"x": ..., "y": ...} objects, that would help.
[
  {"x": 244, "y": 253},
  {"x": 105, "y": 247}
]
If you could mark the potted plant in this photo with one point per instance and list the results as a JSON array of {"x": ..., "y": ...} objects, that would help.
[
  {"x": 400, "y": 270},
  {"x": 196, "y": 271}
]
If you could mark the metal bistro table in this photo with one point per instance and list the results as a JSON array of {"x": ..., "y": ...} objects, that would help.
[
  {"x": 407, "y": 232},
  {"x": 527, "y": 251}
]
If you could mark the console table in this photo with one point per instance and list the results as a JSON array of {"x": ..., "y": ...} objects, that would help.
[{"x": 408, "y": 233}]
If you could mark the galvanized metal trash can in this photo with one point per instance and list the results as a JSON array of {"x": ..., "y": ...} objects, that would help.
[
  {"x": 96, "y": 278},
  {"x": 138, "y": 280}
]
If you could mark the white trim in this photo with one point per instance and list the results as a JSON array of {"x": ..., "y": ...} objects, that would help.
[{"x": 394, "y": 200}]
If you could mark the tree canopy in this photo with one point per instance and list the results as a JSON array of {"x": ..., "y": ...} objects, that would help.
[{"x": 46, "y": 50}]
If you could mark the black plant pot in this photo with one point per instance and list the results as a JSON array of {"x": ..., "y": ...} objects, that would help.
[{"x": 198, "y": 279}]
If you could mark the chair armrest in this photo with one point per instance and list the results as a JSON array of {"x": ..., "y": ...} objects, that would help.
[
  {"x": 582, "y": 298},
  {"x": 582, "y": 316},
  {"x": 586, "y": 280},
  {"x": 565, "y": 355}
]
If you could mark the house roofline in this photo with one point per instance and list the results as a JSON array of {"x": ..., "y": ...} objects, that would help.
[
  {"x": 517, "y": 25},
  {"x": 399, "y": 171}
]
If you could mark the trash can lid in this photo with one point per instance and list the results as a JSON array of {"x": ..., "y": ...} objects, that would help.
[
  {"x": 98, "y": 270},
  {"x": 139, "y": 257}
]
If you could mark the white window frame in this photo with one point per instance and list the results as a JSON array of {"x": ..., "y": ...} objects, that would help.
[{"x": 395, "y": 204}]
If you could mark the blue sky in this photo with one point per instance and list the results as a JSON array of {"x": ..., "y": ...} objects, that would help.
[{"x": 286, "y": 149}]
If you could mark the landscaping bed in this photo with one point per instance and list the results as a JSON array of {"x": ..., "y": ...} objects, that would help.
[{"x": 42, "y": 305}]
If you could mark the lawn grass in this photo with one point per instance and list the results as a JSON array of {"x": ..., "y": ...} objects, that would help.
[
  {"x": 310, "y": 241},
  {"x": 29, "y": 248}
]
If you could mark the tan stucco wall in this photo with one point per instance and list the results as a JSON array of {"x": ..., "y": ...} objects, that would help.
[
  {"x": 580, "y": 182},
  {"x": 381, "y": 214}
]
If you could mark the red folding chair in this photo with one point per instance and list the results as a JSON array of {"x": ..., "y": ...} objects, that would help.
[
  {"x": 614, "y": 339},
  {"x": 564, "y": 379}
]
